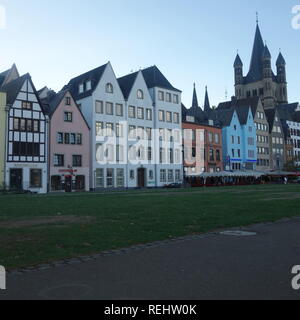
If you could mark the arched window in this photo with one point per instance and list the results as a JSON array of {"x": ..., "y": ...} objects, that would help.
[
  {"x": 109, "y": 88},
  {"x": 140, "y": 94}
]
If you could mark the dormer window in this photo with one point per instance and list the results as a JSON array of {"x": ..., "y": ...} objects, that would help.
[
  {"x": 81, "y": 88},
  {"x": 68, "y": 101},
  {"x": 109, "y": 88},
  {"x": 88, "y": 85},
  {"x": 140, "y": 94}
]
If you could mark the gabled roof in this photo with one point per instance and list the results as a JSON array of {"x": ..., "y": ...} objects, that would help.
[
  {"x": 243, "y": 113},
  {"x": 270, "y": 114},
  {"x": 126, "y": 83},
  {"x": 13, "y": 88},
  {"x": 255, "y": 71},
  {"x": 223, "y": 118},
  {"x": 94, "y": 76},
  {"x": 248, "y": 102},
  {"x": 154, "y": 78},
  {"x": 9, "y": 75},
  {"x": 53, "y": 100}
]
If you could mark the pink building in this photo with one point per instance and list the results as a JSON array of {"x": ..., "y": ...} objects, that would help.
[{"x": 69, "y": 147}]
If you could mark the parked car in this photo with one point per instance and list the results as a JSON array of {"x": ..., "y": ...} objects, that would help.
[
  {"x": 173, "y": 186},
  {"x": 297, "y": 180}
]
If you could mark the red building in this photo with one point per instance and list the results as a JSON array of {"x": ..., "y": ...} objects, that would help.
[{"x": 202, "y": 148}]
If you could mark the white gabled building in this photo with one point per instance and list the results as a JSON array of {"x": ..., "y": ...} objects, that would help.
[
  {"x": 26, "y": 137},
  {"x": 168, "y": 127},
  {"x": 123, "y": 114}
]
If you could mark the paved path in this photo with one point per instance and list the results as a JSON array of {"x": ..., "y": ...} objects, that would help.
[{"x": 214, "y": 267}]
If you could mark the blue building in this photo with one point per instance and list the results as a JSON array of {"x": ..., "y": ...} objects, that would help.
[{"x": 239, "y": 137}]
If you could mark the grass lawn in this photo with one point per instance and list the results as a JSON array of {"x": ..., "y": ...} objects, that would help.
[{"x": 36, "y": 229}]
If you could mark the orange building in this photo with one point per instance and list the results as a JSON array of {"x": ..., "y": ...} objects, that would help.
[{"x": 202, "y": 148}]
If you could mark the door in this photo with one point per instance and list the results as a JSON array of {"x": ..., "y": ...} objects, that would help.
[
  {"x": 80, "y": 183},
  {"x": 141, "y": 178},
  {"x": 68, "y": 184},
  {"x": 16, "y": 179}
]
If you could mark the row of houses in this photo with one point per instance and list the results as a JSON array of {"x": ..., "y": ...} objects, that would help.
[
  {"x": 98, "y": 132},
  {"x": 104, "y": 132}
]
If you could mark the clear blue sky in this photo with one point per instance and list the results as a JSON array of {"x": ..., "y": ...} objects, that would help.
[{"x": 189, "y": 40}]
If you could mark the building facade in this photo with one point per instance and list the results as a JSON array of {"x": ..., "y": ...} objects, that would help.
[
  {"x": 261, "y": 124},
  {"x": 69, "y": 144},
  {"x": 129, "y": 119},
  {"x": 26, "y": 138},
  {"x": 202, "y": 148},
  {"x": 277, "y": 144},
  {"x": 3, "y": 119},
  {"x": 261, "y": 81}
]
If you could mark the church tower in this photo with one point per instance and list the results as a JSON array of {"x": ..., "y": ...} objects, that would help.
[
  {"x": 260, "y": 80},
  {"x": 281, "y": 78}
]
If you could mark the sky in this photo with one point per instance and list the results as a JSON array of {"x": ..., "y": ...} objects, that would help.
[{"x": 191, "y": 41}]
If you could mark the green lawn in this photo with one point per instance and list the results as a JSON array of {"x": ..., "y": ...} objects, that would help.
[{"x": 38, "y": 229}]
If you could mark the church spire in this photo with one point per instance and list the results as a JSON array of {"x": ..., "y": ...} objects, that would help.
[
  {"x": 255, "y": 71},
  {"x": 195, "y": 98},
  {"x": 206, "y": 101}
]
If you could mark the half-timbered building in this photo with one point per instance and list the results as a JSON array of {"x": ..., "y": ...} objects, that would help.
[{"x": 26, "y": 145}]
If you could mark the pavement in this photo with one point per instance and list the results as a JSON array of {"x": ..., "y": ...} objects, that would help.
[{"x": 212, "y": 266}]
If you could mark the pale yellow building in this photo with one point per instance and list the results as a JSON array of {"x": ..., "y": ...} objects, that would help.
[{"x": 2, "y": 137}]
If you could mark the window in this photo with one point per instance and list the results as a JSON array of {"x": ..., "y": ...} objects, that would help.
[
  {"x": 170, "y": 176},
  {"x": 68, "y": 101},
  {"x": 99, "y": 107},
  {"x": 176, "y": 117},
  {"x": 109, "y": 108},
  {"x": 16, "y": 124},
  {"x": 79, "y": 138},
  {"x": 177, "y": 156},
  {"x": 99, "y": 129},
  {"x": 171, "y": 156},
  {"x": 120, "y": 178},
  {"x": 161, "y": 115},
  {"x": 218, "y": 155},
  {"x": 162, "y": 155},
  {"x": 60, "y": 138},
  {"x": 151, "y": 175},
  {"x": 29, "y": 125},
  {"x": 149, "y": 153},
  {"x": 68, "y": 116},
  {"x": 140, "y": 133},
  {"x": 132, "y": 132},
  {"x": 77, "y": 161},
  {"x": 211, "y": 155},
  {"x": 81, "y": 88},
  {"x": 168, "y": 97},
  {"x": 36, "y": 126},
  {"x": 149, "y": 114},
  {"x": 109, "y": 88},
  {"x": 232, "y": 139},
  {"x": 26, "y": 105},
  {"x": 176, "y": 98},
  {"x": 119, "y": 130},
  {"x": 210, "y": 137},
  {"x": 109, "y": 129},
  {"x": 217, "y": 138},
  {"x": 35, "y": 178},
  {"x": 119, "y": 153},
  {"x": 177, "y": 175},
  {"x": 140, "y": 94},
  {"x": 88, "y": 85},
  {"x": 67, "y": 138},
  {"x": 161, "y": 96},
  {"x": 140, "y": 113},
  {"x": 73, "y": 138},
  {"x": 99, "y": 178},
  {"x": 169, "y": 116},
  {"x": 163, "y": 177},
  {"x": 23, "y": 125},
  {"x": 132, "y": 175},
  {"x": 59, "y": 160},
  {"x": 119, "y": 110},
  {"x": 131, "y": 112},
  {"x": 110, "y": 178},
  {"x": 149, "y": 133},
  {"x": 99, "y": 153}
]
